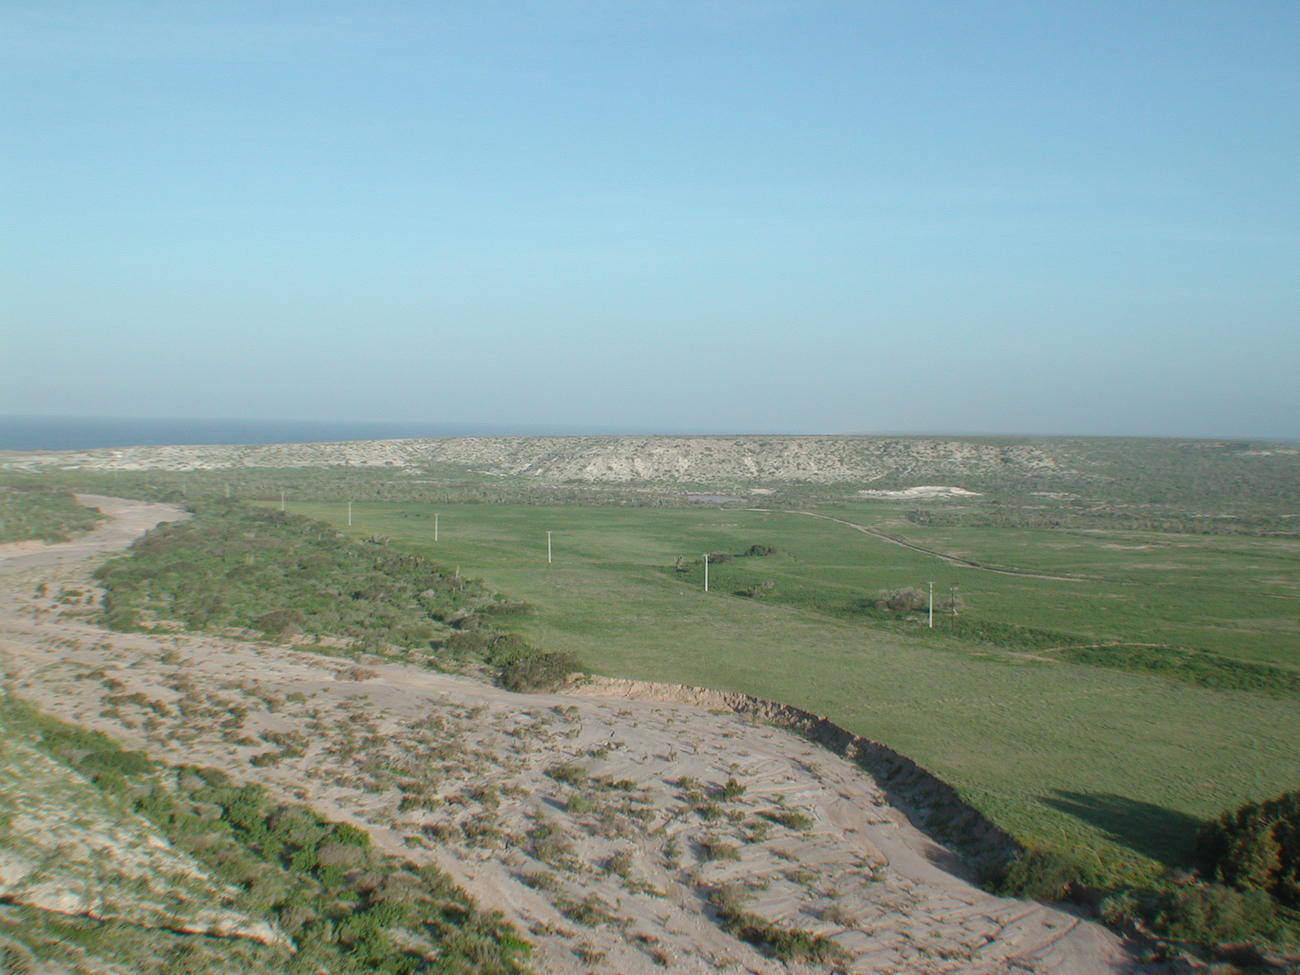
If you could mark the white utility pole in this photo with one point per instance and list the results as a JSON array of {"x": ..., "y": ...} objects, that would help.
[
  {"x": 435, "y": 526},
  {"x": 349, "y": 514},
  {"x": 281, "y": 499},
  {"x": 706, "y": 571},
  {"x": 932, "y": 605},
  {"x": 548, "y": 548}
]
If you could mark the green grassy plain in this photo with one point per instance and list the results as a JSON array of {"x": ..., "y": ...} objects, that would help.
[{"x": 1125, "y": 764}]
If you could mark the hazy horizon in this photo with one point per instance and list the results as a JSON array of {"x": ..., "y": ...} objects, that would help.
[
  {"x": 744, "y": 215},
  {"x": 42, "y": 433}
]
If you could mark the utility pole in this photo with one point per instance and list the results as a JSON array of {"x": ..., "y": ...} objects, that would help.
[
  {"x": 281, "y": 499},
  {"x": 706, "y": 571},
  {"x": 932, "y": 605},
  {"x": 548, "y": 548},
  {"x": 227, "y": 492},
  {"x": 953, "y": 590},
  {"x": 349, "y": 514},
  {"x": 435, "y": 526}
]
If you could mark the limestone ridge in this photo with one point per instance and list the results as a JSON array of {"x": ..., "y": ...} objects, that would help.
[{"x": 805, "y": 459}]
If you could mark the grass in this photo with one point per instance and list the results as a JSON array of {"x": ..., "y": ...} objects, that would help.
[{"x": 1113, "y": 755}]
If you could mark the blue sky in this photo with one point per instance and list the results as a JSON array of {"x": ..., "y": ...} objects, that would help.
[{"x": 711, "y": 216}]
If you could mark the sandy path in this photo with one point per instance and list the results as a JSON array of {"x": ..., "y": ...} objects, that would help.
[{"x": 608, "y": 875}]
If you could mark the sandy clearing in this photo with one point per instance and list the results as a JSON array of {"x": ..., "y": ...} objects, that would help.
[{"x": 608, "y": 877}]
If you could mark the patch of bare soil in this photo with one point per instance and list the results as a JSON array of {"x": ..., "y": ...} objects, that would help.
[{"x": 604, "y": 827}]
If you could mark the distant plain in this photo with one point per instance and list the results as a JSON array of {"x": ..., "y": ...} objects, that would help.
[{"x": 1123, "y": 763}]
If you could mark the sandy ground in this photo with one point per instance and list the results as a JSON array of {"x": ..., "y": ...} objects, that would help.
[{"x": 599, "y": 826}]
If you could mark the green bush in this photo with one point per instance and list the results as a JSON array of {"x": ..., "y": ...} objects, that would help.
[
  {"x": 1255, "y": 848},
  {"x": 539, "y": 672},
  {"x": 1046, "y": 875},
  {"x": 1212, "y": 914},
  {"x": 789, "y": 818},
  {"x": 279, "y": 621}
]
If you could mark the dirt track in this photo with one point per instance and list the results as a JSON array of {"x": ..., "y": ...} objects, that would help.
[
  {"x": 616, "y": 879},
  {"x": 950, "y": 559}
]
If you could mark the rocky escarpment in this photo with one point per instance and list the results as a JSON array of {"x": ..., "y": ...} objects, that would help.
[{"x": 685, "y": 460}]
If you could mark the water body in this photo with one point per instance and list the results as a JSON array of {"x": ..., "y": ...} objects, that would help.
[{"x": 87, "y": 433}]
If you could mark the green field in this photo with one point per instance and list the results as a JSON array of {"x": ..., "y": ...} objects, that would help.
[{"x": 1122, "y": 762}]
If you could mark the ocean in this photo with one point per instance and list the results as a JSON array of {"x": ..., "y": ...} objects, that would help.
[{"x": 85, "y": 433}]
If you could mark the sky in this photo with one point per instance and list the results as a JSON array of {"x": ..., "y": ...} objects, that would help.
[{"x": 698, "y": 216}]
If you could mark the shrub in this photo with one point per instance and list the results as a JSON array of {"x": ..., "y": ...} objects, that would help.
[
  {"x": 1255, "y": 848},
  {"x": 569, "y": 774},
  {"x": 789, "y": 818},
  {"x": 589, "y": 912},
  {"x": 1045, "y": 875},
  {"x": 343, "y": 855},
  {"x": 579, "y": 804},
  {"x": 466, "y": 643},
  {"x": 509, "y": 648},
  {"x": 908, "y": 598},
  {"x": 49, "y": 514},
  {"x": 280, "y": 621},
  {"x": 1212, "y": 914},
  {"x": 731, "y": 790},
  {"x": 620, "y": 863},
  {"x": 758, "y": 551},
  {"x": 785, "y": 943},
  {"x": 714, "y": 849},
  {"x": 716, "y": 557},
  {"x": 540, "y": 672}
]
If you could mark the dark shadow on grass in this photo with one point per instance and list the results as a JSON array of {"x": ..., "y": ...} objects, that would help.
[{"x": 1162, "y": 834}]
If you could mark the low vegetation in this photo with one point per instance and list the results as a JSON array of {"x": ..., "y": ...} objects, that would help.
[
  {"x": 787, "y": 944},
  {"x": 47, "y": 514},
  {"x": 347, "y": 908},
  {"x": 1244, "y": 888},
  {"x": 1255, "y": 847},
  {"x": 246, "y": 570},
  {"x": 1191, "y": 666}
]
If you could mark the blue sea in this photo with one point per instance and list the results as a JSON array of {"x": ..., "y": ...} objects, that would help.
[{"x": 84, "y": 433}]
